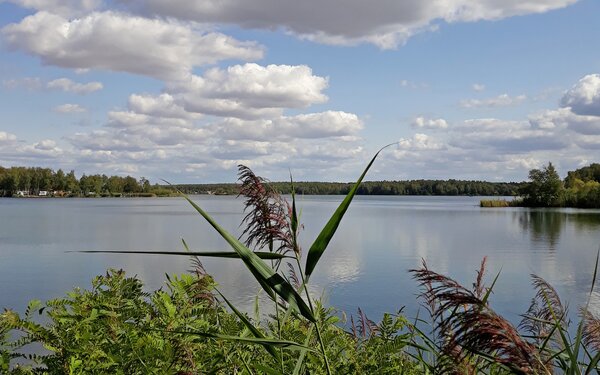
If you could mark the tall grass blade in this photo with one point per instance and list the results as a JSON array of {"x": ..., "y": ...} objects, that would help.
[
  {"x": 265, "y": 275},
  {"x": 249, "y": 340},
  {"x": 302, "y": 355},
  {"x": 318, "y": 247},
  {"x": 579, "y": 335},
  {"x": 214, "y": 254}
]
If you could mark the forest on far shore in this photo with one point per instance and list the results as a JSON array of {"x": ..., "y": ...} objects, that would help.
[
  {"x": 411, "y": 187},
  {"x": 580, "y": 188}
]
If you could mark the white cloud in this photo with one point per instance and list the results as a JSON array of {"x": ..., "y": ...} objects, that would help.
[
  {"x": 163, "y": 105},
  {"x": 565, "y": 118},
  {"x": 6, "y": 138},
  {"x": 478, "y": 87},
  {"x": 505, "y": 136},
  {"x": 424, "y": 123},
  {"x": 68, "y": 85},
  {"x": 584, "y": 97},
  {"x": 329, "y": 124},
  {"x": 24, "y": 153},
  {"x": 385, "y": 23},
  {"x": 503, "y": 100},
  {"x": 251, "y": 90},
  {"x": 419, "y": 142},
  {"x": 120, "y": 42},
  {"x": 69, "y": 108},
  {"x": 45, "y": 145},
  {"x": 65, "y": 8}
]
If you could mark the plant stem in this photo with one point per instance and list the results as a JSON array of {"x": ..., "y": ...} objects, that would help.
[
  {"x": 278, "y": 324},
  {"x": 310, "y": 305}
]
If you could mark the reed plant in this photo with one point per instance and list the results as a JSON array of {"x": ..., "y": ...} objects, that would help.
[{"x": 488, "y": 203}]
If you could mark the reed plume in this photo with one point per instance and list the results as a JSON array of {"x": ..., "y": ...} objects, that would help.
[
  {"x": 470, "y": 330},
  {"x": 268, "y": 215}
]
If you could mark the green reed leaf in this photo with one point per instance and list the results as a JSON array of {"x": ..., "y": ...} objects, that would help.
[
  {"x": 270, "y": 281},
  {"x": 213, "y": 254},
  {"x": 318, "y": 247}
]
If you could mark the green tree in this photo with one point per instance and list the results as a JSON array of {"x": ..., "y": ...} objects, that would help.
[
  {"x": 130, "y": 185},
  {"x": 71, "y": 183},
  {"x": 544, "y": 189}
]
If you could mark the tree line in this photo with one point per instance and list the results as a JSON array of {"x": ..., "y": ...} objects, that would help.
[
  {"x": 31, "y": 181},
  {"x": 412, "y": 187}
]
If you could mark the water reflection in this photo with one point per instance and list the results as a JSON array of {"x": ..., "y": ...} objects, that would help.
[
  {"x": 365, "y": 265},
  {"x": 545, "y": 226}
]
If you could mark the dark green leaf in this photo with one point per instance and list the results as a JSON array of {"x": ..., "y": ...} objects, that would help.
[
  {"x": 214, "y": 254},
  {"x": 270, "y": 281},
  {"x": 318, "y": 247}
]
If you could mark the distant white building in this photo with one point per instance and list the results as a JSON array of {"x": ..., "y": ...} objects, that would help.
[{"x": 43, "y": 193}]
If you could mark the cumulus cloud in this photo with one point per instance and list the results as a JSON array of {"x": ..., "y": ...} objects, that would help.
[
  {"x": 385, "y": 23},
  {"x": 6, "y": 138},
  {"x": 505, "y": 136},
  {"x": 69, "y": 108},
  {"x": 25, "y": 153},
  {"x": 163, "y": 106},
  {"x": 159, "y": 125},
  {"x": 503, "y": 100},
  {"x": 419, "y": 142},
  {"x": 584, "y": 97},
  {"x": 251, "y": 91},
  {"x": 67, "y": 8},
  {"x": 327, "y": 124},
  {"x": 65, "y": 84},
  {"x": 565, "y": 118},
  {"x": 424, "y": 123},
  {"x": 119, "y": 42}
]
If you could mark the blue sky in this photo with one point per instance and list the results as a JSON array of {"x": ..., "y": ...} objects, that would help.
[{"x": 187, "y": 90}]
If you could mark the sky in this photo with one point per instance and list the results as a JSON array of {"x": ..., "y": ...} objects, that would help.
[{"x": 187, "y": 90}]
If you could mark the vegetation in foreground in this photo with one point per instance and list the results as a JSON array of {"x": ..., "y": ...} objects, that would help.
[{"x": 189, "y": 327}]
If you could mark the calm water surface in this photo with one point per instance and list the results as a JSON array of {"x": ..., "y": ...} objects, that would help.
[{"x": 366, "y": 265}]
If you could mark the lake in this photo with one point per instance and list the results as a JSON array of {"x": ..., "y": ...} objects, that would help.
[{"x": 365, "y": 266}]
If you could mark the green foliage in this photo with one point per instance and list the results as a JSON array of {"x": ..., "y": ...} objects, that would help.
[
  {"x": 30, "y": 181},
  {"x": 117, "y": 328},
  {"x": 412, "y": 187},
  {"x": 544, "y": 189},
  {"x": 581, "y": 188},
  {"x": 585, "y": 174}
]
